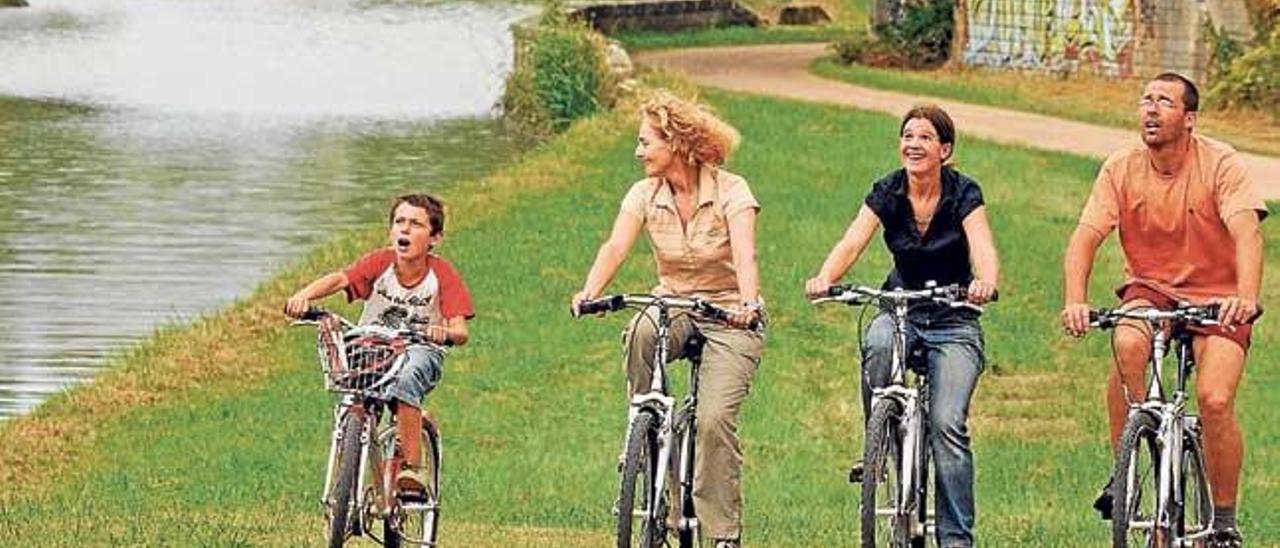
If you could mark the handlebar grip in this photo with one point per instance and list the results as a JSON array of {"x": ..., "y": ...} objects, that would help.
[
  {"x": 963, "y": 294},
  {"x": 838, "y": 290},
  {"x": 313, "y": 314},
  {"x": 722, "y": 315},
  {"x": 607, "y": 304}
]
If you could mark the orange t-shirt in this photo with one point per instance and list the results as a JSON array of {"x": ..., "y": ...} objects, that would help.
[{"x": 1173, "y": 229}]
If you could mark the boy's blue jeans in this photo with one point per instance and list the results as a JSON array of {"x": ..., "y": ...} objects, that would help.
[
  {"x": 422, "y": 370},
  {"x": 952, "y": 345}
]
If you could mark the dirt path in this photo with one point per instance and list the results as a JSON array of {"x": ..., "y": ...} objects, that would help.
[{"x": 783, "y": 71}]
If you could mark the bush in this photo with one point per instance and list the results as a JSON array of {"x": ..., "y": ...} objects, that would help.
[
  {"x": 560, "y": 74},
  {"x": 919, "y": 38},
  {"x": 1252, "y": 80}
]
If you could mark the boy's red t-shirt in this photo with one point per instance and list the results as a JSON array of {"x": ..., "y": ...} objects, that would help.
[{"x": 440, "y": 296}]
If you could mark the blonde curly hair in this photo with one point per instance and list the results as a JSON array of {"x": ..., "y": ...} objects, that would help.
[{"x": 695, "y": 134}]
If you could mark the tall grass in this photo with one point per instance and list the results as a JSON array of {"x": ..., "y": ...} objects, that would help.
[{"x": 533, "y": 410}]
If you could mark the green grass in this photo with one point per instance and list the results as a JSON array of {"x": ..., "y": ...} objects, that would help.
[
  {"x": 532, "y": 411},
  {"x": 847, "y": 17},
  {"x": 730, "y": 36},
  {"x": 1083, "y": 98}
]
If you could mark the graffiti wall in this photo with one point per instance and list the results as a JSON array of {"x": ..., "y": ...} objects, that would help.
[{"x": 1057, "y": 35}]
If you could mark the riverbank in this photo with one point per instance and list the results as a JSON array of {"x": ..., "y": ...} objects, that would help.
[{"x": 215, "y": 434}]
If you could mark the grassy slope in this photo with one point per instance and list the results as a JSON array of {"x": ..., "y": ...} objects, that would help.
[
  {"x": 1084, "y": 98},
  {"x": 532, "y": 411}
]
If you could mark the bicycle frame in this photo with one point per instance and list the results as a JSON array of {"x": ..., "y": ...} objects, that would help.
[
  {"x": 377, "y": 441},
  {"x": 659, "y": 402},
  {"x": 673, "y": 425},
  {"x": 911, "y": 396},
  {"x": 1171, "y": 414},
  {"x": 375, "y": 495},
  {"x": 913, "y": 400}
]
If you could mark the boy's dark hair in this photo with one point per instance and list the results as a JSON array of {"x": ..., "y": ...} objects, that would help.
[
  {"x": 434, "y": 207},
  {"x": 1190, "y": 94},
  {"x": 941, "y": 123}
]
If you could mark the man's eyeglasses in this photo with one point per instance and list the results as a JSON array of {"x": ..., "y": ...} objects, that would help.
[{"x": 1163, "y": 102}]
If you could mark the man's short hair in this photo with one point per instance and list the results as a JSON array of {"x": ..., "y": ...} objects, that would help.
[
  {"x": 434, "y": 207},
  {"x": 1190, "y": 94}
]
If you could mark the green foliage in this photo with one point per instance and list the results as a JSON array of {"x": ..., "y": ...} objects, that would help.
[
  {"x": 1251, "y": 79},
  {"x": 561, "y": 73},
  {"x": 920, "y": 38},
  {"x": 1223, "y": 49}
]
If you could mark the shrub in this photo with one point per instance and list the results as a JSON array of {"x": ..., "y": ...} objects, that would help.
[
  {"x": 919, "y": 38},
  {"x": 1251, "y": 80},
  {"x": 560, "y": 73}
]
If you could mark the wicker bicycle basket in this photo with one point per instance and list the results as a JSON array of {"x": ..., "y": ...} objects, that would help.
[{"x": 354, "y": 362}]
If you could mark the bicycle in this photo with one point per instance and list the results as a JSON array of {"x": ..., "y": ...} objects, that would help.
[
  {"x": 659, "y": 433},
  {"x": 364, "y": 453},
  {"x": 896, "y": 466},
  {"x": 1160, "y": 484}
]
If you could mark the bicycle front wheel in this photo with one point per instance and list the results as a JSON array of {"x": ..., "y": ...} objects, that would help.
[
  {"x": 1136, "y": 489},
  {"x": 640, "y": 502},
  {"x": 340, "y": 501},
  {"x": 884, "y": 516},
  {"x": 417, "y": 518},
  {"x": 1195, "y": 515}
]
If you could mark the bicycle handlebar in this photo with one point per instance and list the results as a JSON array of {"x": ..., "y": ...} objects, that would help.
[
  {"x": 1201, "y": 315},
  {"x": 314, "y": 315},
  {"x": 614, "y": 303},
  {"x": 954, "y": 296}
]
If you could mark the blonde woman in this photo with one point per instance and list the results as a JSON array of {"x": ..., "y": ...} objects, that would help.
[{"x": 701, "y": 225}]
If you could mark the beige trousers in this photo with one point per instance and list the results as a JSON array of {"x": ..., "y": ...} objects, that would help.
[{"x": 729, "y": 361}]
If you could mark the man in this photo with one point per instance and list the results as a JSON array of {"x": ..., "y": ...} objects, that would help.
[{"x": 1188, "y": 218}]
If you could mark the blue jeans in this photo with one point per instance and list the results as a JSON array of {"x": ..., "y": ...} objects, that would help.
[
  {"x": 951, "y": 343},
  {"x": 421, "y": 373}
]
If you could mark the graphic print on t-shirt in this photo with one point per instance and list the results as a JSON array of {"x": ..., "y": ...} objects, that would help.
[
  {"x": 418, "y": 304},
  {"x": 440, "y": 295}
]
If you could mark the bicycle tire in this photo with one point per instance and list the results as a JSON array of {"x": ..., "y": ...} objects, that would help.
[
  {"x": 881, "y": 479},
  {"x": 1196, "y": 513},
  {"x": 685, "y": 428},
  {"x": 923, "y": 477},
  {"x": 639, "y": 469},
  {"x": 417, "y": 521},
  {"x": 342, "y": 497},
  {"x": 1135, "y": 489}
]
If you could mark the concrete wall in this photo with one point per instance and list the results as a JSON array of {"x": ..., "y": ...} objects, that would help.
[
  {"x": 608, "y": 17},
  {"x": 1117, "y": 38}
]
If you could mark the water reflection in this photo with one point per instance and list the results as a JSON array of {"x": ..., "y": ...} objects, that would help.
[{"x": 164, "y": 157}]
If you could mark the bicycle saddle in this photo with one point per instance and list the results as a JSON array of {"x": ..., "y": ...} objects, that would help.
[{"x": 693, "y": 347}]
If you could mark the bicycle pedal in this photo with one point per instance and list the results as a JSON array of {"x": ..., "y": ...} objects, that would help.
[
  {"x": 417, "y": 506},
  {"x": 412, "y": 496}
]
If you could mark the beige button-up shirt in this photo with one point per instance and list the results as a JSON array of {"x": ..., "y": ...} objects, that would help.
[{"x": 694, "y": 260}]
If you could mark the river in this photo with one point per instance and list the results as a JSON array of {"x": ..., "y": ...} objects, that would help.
[{"x": 159, "y": 159}]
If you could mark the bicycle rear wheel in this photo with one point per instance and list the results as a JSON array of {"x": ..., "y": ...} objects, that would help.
[
  {"x": 416, "y": 521},
  {"x": 1135, "y": 516},
  {"x": 340, "y": 501},
  {"x": 884, "y": 519},
  {"x": 1195, "y": 516},
  {"x": 642, "y": 507}
]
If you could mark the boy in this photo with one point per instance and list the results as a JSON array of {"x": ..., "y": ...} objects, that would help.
[{"x": 408, "y": 277}]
